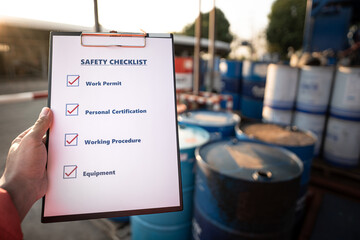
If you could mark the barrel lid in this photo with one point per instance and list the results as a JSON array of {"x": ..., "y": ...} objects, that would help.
[
  {"x": 250, "y": 161},
  {"x": 209, "y": 118},
  {"x": 277, "y": 134},
  {"x": 192, "y": 137}
]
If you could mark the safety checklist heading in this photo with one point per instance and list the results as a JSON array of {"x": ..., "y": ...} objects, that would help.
[{"x": 112, "y": 148}]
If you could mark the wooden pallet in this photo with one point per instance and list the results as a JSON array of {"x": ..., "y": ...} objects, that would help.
[
  {"x": 329, "y": 170},
  {"x": 335, "y": 179}
]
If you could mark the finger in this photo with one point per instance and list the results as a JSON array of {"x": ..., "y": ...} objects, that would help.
[
  {"x": 21, "y": 135},
  {"x": 42, "y": 124}
]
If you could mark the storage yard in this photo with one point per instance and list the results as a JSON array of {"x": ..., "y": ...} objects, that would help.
[{"x": 268, "y": 148}]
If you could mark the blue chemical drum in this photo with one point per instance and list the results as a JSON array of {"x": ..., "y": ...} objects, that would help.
[
  {"x": 190, "y": 137},
  {"x": 175, "y": 225},
  {"x": 218, "y": 124},
  {"x": 141, "y": 229},
  {"x": 231, "y": 76},
  {"x": 299, "y": 142},
  {"x": 253, "y": 88},
  {"x": 245, "y": 190},
  {"x": 163, "y": 226}
]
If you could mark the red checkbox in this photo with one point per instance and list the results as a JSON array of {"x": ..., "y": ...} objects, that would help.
[
  {"x": 71, "y": 139},
  {"x": 72, "y": 109},
  {"x": 73, "y": 80},
  {"x": 70, "y": 171},
  {"x": 71, "y": 83}
]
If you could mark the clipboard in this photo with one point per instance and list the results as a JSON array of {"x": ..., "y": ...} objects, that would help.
[{"x": 113, "y": 147}]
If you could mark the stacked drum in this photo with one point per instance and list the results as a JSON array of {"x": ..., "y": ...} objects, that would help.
[
  {"x": 231, "y": 75},
  {"x": 312, "y": 100},
  {"x": 342, "y": 141},
  {"x": 280, "y": 93},
  {"x": 253, "y": 87}
]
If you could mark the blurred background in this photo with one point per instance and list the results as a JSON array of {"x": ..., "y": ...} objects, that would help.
[{"x": 292, "y": 63}]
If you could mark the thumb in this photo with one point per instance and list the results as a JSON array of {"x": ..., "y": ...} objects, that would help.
[{"x": 42, "y": 124}]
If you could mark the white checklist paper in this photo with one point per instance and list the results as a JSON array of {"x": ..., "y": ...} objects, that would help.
[{"x": 112, "y": 148}]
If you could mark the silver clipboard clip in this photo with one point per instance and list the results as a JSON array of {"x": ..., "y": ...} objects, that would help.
[{"x": 114, "y": 39}]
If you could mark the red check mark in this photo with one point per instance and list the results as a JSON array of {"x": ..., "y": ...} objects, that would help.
[
  {"x": 70, "y": 112},
  {"x": 68, "y": 174},
  {"x": 71, "y": 83},
  {"x": 72, "y": 139}
]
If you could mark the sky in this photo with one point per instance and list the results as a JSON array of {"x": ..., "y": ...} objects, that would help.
[{"x": 247, "y": 17}]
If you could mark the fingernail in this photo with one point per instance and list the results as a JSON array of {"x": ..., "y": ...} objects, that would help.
[{"x": 44, "y": 112}]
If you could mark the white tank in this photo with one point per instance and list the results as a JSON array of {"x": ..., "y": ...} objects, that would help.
[{"x": 345, "y": 100}]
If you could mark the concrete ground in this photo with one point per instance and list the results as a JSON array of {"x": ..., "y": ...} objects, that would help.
[{"x": 15, "y": 118}]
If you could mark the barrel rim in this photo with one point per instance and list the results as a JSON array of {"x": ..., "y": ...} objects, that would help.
[
  {"x": 239, "y": 131},
  {"x": 235, "y": 119},
  {"x": 180, "y": 125},
  {"x": 293, "y": 156}
]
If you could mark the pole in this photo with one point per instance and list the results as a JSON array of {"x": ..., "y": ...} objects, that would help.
[
  {"x": 308, "y": 27},
  {"x": 196, "y": 78},
  {"x": 211, "y": 47},
  {"x": 97, "y": 25}
]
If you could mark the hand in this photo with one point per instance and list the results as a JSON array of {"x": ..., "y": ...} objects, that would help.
[{"x": 25, "y": 176}]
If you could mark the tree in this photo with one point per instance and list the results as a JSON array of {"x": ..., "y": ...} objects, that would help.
[
  {"x": 286, "y": 26},
  {"x": 222, "y": 25}
]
